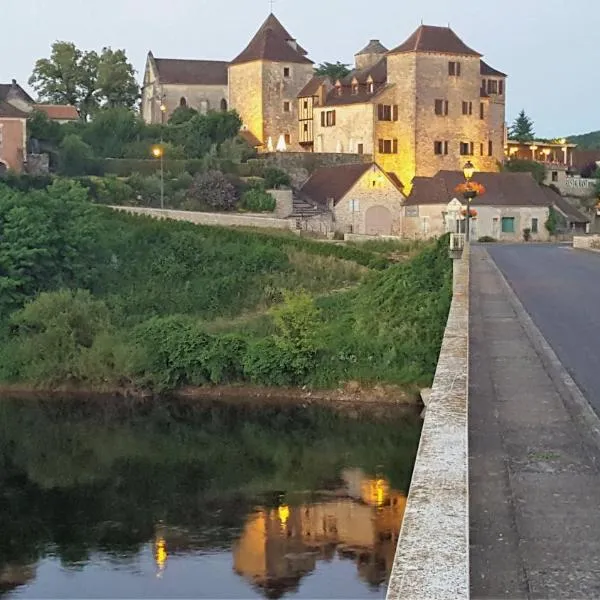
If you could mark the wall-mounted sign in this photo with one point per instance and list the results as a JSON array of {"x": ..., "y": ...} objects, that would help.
[
  {"x": 580, "y": 182},
  {"x": 411, "y": 211}
]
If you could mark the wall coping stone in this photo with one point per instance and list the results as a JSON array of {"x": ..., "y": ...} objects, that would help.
[{"x": 432, "y": 556}]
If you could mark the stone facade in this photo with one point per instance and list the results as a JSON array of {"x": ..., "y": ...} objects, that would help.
[
  {"x": 354, "y": 127},
  {"x": 373, "y": 206},
  {"x": 13, "y": 143},
  {"x": 246, "y": 96}
]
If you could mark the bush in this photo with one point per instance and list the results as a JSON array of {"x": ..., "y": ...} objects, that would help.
[
  {"x": 486, "y": 238},
  {"x": 74, "y": 155},
  {"x": 211, "y": 190},
  {"x": 526, "y": 234},
  {"x": 258, "y": 200},
  {"x": 276, "y": 178}
]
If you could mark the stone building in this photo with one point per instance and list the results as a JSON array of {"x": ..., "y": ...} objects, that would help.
[
  {"x": 361, "y": 199},
  {"x": 199, "y": 84},
  {"x": 512, "y": 202}
]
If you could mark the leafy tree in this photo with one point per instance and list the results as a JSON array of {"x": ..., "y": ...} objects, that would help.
[
  {"x": 111, "y": 130},
  {"x": 182, "y": 114},
  {"x": 85, "y": 79},
  {"x": 74, "y": 155},
  {"x": 334, "y": 71},
  {"x": 517, "y": 165},
  {"x": 552, "y": 221},
  {"x": 589, "y": 170},
  {"x": 258, "y": 200},
  {"x": 276, "y": 178},
  {"x": 116, "y": 82},
  {"x": 211, "y": 189},
  {"x": 522, "y": 128},
  {"x": 40, "y": 127}
]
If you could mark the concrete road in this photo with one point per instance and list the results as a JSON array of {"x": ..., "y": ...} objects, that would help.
[{"x": 560, "y": 289}]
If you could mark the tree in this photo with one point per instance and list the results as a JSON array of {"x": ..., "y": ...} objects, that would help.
[
  {"x": 552, "y": 221},
  {"x": 40, "y": 127},
  {"x": 522, "y": 128},
  {"x": 182, "y": 114},
  {"x": 85, "y": 79},
  {"x": 111, "y": 130},
  {"x": 211, "y": 189},
  {"x": 334, "y": 71},
  {"x": 74, "y": 155},
  {"x": 517, "y": 165}
]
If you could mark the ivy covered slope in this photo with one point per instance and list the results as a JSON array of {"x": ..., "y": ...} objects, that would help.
[{"x": 100, "y": 299}]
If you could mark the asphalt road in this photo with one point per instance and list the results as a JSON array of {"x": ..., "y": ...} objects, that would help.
[{"x": 560, "y": 289}]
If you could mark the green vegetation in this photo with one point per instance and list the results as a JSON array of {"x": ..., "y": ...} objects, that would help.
[
  {"x": 522, "y": 128},
  {"x": 518, "y": 165},
  {"x": 552, "y": 221},
  {"x": 586, "y": 141},
  {"x": 100, "y": 298},
  {"x": 334, "y": 71},
  {"x": 487, "y": 239}
]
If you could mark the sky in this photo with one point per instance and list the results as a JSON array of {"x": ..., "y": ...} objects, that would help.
[{"x": 548, "y": 48}]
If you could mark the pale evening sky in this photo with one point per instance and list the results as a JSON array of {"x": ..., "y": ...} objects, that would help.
[{"x": 548, "y": 48}]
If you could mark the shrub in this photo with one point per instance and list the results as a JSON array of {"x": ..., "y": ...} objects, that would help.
[
  {"x": 258, "y": 200},
  {"x": 486, "y": 238},
  {"x": 526, "y": 234},
  {"x": 213, "y": 190},
  {"x": 74, "y": 156},
  {"x": 276, "y": 178}
]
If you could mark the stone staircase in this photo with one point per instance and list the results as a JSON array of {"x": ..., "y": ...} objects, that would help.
[{"x": 304, "y": 208}]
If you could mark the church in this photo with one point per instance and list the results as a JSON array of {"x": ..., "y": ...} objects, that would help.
[{"x": 430, "y": 103}]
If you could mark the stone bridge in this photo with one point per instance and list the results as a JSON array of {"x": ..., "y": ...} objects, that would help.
[{"x": 505, "y": 497}]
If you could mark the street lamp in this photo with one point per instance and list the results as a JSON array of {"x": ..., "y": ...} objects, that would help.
[
  {"x": 158, "y": 152},
  {"x": 468, "y": 171}
]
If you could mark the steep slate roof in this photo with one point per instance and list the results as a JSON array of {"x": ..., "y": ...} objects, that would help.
[
  {"x": 570, "y": 212},
  {"x": 373, "y": 47},
  {"x": 6, "y": 88},
  {"x": 271, "y": 43},
  {"x": 502, "y": 189},
  {"x": 377, "y": 72},
  {"x": 9, "y": 111},
  {"x": 312, "y": 87},
  {"x": 191, "y": 72},
  {"x": 59, "y": 112},
  {"x": 485, "y": 69},
  {"x": 333, "y": 182},
  {"x": 430, "y": 38}
]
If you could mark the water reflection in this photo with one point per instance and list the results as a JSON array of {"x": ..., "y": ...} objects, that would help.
[{"x": 211, "y": 502}]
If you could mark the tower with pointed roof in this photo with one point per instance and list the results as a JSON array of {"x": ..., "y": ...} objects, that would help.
[
  {"x": 445, "y": 116},
  {"x": 264, "y": 81}
]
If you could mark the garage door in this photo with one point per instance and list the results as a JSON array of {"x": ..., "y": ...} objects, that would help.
[{"x": 378, "y": 221}]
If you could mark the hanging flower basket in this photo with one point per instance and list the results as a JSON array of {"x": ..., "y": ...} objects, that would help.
[
  {"x": 470, "y": 187},
  {"x": 472, "y": 213}
]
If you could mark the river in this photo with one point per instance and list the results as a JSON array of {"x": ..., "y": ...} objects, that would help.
[{"x": 114, "y": 498}]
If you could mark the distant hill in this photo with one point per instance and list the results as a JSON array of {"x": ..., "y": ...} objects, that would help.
[{"x": 586, "y": 141}]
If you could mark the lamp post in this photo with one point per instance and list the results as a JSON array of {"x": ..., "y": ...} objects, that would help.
[
  {"x": 158, "y": 152},
  {"x": 468, "y": 171}
]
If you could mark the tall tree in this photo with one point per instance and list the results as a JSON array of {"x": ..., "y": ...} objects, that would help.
[
  {"x": 522, "y": 128},
  {"x": 334, "y": 71},
  {"x": 85, "y": 79}
]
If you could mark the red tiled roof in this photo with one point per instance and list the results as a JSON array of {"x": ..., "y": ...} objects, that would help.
[
  {"x": 192, "y": 72},
  {"x": 58, "y": 112},
  {"x": 429, "y": 38},
  {"x": 485, "y": 69},
  {"x": 502, "y": 189},
  {"x": 10, "y": 112},
  {"x": 333, "y": 182},
  {"x": 271, "y": 42}
]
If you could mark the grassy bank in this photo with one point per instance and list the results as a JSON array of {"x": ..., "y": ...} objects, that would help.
[{"x": 97, "y": 298}]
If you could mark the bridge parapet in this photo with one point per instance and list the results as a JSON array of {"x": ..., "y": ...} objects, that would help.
[{"x": 432, "y": 557}]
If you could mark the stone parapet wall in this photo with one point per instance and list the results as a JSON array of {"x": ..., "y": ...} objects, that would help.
[
  {"x": 203, "y": 218},
  {"x": 432, "y": 557},
  {"x": 588, "y": 242}
]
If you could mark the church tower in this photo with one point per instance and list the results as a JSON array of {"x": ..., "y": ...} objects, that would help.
[{"x": 264, "y": 82}]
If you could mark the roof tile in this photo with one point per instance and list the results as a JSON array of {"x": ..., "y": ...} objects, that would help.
[
  {"x": 192, "y": 72},
  {"x": 333, "y": 182},
  {"x": 429, "y": 38},
  {"x": 59, "y": 112}
]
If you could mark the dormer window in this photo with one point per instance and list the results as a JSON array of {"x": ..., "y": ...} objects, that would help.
[
  {"x": 370, "y": 87},
  {"x": 338, "y": 89},
  {"x": 355, "y": 89}
]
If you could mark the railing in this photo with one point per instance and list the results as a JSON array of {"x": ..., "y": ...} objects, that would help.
[{"x": 457, "y": 242}]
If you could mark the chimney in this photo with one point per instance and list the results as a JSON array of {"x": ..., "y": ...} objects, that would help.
[{"x": 14, "y": 83}]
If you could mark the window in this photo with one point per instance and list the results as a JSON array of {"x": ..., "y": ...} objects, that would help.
[
  {"x": 286, "y": 71},
  {"x": 286, "y": 107},
  {"x": 467, "y": 108},
  {"x": 182, "y": 101},
  {"x": 508, "y": 224},
  {"x": 440, "y": 147},
  {"x": 481, "y": 148},
  {"x": 425, "y": 225},
  {"x": 224, "y": 105},
  {"x": 454, "y": 69},
  {"x": 490, "y": 148},
  {"x": 338, "y": 89},
  {"x": 361, "y": 149},
  {"x": 371, "y": 87},
  {"x": 492, "y": 86},
  {"x": 441, "y": 107},
  {"x": 387, "y": 112},
  {"x": 305, "y": 127},
  {"x": 466, "y": 148},
  {"x": 330, "y": 120},
  {"x": 482, "y": 111},
  {"x": 353, "y": 205},
  {"x": 388, "y": 146},
  {"x": 288, "y": 138},
  {"x": 355, "y": 89},
  {"x": 554, "y": 173},
  {"x": 534, "y": 225},
  {"x": 306, "y": 105},
  {"x": 501, "y": 87}
]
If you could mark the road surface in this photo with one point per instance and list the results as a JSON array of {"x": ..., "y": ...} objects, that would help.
[{"x": 560, "y": 289}]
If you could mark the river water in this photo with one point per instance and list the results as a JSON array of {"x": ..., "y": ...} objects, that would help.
[{"x": 139, "y": 499}]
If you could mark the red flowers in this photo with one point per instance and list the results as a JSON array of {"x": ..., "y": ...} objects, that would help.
[
  {"x": 470, "y": 186},
  {"x": 472, "y": 213}
]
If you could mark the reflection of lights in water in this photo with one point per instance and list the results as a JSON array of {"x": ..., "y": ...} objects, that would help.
[
  {"x": 160, "y": 555},
  {"x": 283, "y": 512}
]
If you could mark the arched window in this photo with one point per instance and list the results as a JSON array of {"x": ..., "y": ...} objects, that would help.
[
  {"x": 182, "y": 101},
  {"x": 224, "y": 105}
]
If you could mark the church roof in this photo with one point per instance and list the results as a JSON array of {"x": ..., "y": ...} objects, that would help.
[
  {"x": 373, "y": 47},
  {"x": 272, "y": 42},
  {"x": 191, "y": 72},
  {"x": 485, "y": 69},
  {"x": 430, "y": 38}
]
